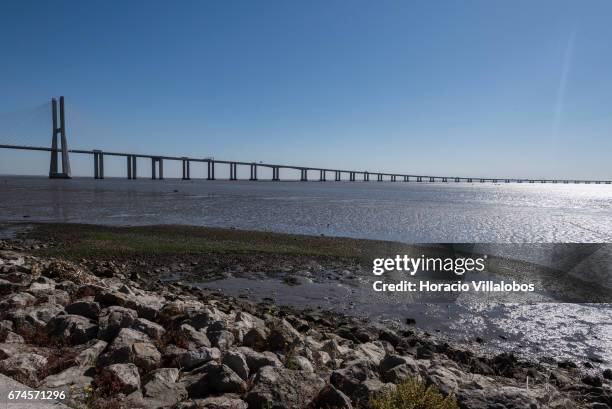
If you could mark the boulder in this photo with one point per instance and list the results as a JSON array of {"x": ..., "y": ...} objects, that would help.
[
  {"x": 120, "y": 350},
  {"x": 23, "y": 366},
  {"x": 88, "y": 309},
  {"x": 256, "y": 360},
  {"x": 237, "y": 362},
  {"x": 17, "y": 301},
  {"x": 10, "y": 337},
  {"x": 227, "y": 401},
  {"x": 358, "y": 380},
  {"x": 215, "y": 378},
  {"x": 153, "y": 330},
  {"x": 332, "y": 398},
  {"x": 113, "y": 319},
  {"x": 204, "y": 317},
  {"x": 282, "y": 336},
  {"x": 124, "y": 377},
  {"x": 72, "y": 379},
  {"x": 194, "y": 338},
  {"x": 89, "y": 356},
  {"x": 196, "y": 357},
  {"x": 444, "y": 378},
  {"x": 160, "y": 385},
  {"x": 75, "y": 328},
  {"x": 34, "y": 318},
  {"x": 302, "y": 363},
  {"x": 396, "y": 368},
  {"x": 222, "y": 339},
  {"x": 280, "y": 388},
  {"x": 145, "y": 355},
  {"x": 256, "y": 338}
]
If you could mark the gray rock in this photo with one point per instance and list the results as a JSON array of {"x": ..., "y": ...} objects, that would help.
[
  {"x": 11, "y": 338},
  {"x": 75, "y": 328},
  {"x": 283, "y": 388},
  {"x": 227, "y": 401},
  {"x": 256, "y": 360},
  {"x": 161, "y": 386},
  {"x": 23, "y": 366},
  {"x": 113, "y": 319},
  {"x": 153, "y": 330},
  {"x": 17, "y": 301},
  {"x": 282, "y": 336},
  {"x": 302, "y": 363},
  {"x": 396, "y": 368},
  {"x": 72, "y": 379},
  {"x": 256, "y": 338},
  {"x": 237, "y": 362},
  {"x": 192, "y": 358},
  {"x": 125, "y": 376},
  {"x": 357, "y": 379},
  {"x": 145, "y": 355},
  {"x": 221, "y": 339},
  {"x": 332, "y": 398},
  {"x": 204, "y": 317},
  {"x": 89, "y": 356},
  {"x": 88, "y": 309},
  {"x": 194, "y": 338},
  {"x": 120, "y": 350},
  {"x": 215, "y": 379},
  {"x": 443, "y": 378}
]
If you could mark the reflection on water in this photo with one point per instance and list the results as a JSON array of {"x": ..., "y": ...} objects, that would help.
[
  {"x": 408, "y": 212},
  {"x": 578, "y": 332}
]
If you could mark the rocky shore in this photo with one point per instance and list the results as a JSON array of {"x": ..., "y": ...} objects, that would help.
[{"x": 113, "y": 338}]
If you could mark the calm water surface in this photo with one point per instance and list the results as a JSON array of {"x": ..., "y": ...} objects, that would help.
[{"x": 408, "y": 212}]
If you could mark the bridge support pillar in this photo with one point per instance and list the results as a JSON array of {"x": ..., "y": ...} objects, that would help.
[
  {"x": 98, "y": 164},
  {"x": 157, "y": 164},
  {"x": 338, "y": 176},
  {"x": 186, "y": 169},
  {"x": 304, "y": 175},
  {"x": 210, "y": 175},
  {"x": 456, "y": 180},
  {"x": 482, "y": 180},
  {"x": 406, "y": 178},
  {"x": 470, "y": 180},
  {"x": 131, "y": 167},
  {"x": 253, "y": 172},
  {"x": 54, "y": 172},
  {"x": 352, "y": 176},
  {"x": 322, "y": 175},
  {"x": 233, "y": 171},
  {"x": 379, "y": 178},
  {"x": 419, "y": 178},
  {"x": 393, "y": 178},
  {"x": 444, "y": 180},
  {"x": 276, "y": 173}
]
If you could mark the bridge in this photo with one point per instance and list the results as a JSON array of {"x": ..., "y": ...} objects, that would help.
[{"x": 59, "y": 146}]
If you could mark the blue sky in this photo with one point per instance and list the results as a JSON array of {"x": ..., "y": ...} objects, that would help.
[{"x": 518, "y": 88}]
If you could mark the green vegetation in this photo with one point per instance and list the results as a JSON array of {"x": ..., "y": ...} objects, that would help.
[
  {"x": 413, "y": 394},
  {"x": 84, "y": 241}
]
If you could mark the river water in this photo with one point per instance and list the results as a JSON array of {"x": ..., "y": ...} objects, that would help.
[
  {"x": 408, "y": 212},
  {"x": 488, "y": 214}
]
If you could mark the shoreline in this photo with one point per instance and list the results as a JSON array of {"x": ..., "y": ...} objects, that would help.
[{"x": 476, "y": 380}]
